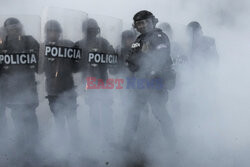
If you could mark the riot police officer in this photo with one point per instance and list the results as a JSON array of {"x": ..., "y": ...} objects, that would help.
[
  {"x": 3, "y": 121},
  {"x": 99, "y": 100},
  {"x": 59, "y": 79},
  {"x": 150, "y": 59},
  {"x": 201, "y": 48},
  {"x": 203, "y": 61},
  {"x": 19, "y": 58}
]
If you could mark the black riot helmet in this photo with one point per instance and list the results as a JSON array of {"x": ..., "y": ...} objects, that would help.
[
  {"x": 52, "y": 30},
  {"x": 91, "y": 27},
  {"x": 144, "y": 21},
  {"x": 11, "y": 21},
  {"x": 194, "y": 29},
  {"x": 166, "y": 28},
  {"x": 53, "y": 25},
  {"x": 128, "y": 37},
  {"x": 13, "y": 27}
]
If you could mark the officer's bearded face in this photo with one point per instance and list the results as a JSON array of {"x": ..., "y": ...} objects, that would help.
[
  {"x": 144, "y": 26},
  {"x": 52, "y": 35},
  {"x": 14, "y": 30}
]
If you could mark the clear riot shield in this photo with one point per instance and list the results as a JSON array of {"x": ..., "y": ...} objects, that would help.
[
  {"x": 99, "y": 45},
  {"x": 110, "y": 28},
  {"x": 103, "y": 52},
  {"x": 129, "y": 26},
  {"x": 61, "y": 28},
  {"x": 70, "y": 21},
  {"x": 20, "y": 37},
  {"x": 31, "y": 25},
  {"x": 176, "y": 35}
]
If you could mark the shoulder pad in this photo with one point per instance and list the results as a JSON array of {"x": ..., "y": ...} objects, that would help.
[
  {"x": 66, "y": 43},
  {"x": 29, "y": 38},
  {"x": 103, "y": 40},
  {"x": 80, "y": 43},
  {"x": 160, "y": 34}
]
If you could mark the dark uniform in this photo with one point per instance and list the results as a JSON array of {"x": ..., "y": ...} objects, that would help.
[
  {"x": 150, "y": 59},
  {"x": 99, "y": 101},
  {"x": 59, "y": 81},
  {"x": 202, "y": 48},
  {"x": 203, "y": 62},
  {"x": 19, "y": 87},
  {"x": 99, "y": 45},
  {"x": 128, "y": 37},
  {"x": 3, "y": 121}
]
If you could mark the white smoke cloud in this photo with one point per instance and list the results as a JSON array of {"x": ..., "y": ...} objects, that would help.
[{"x": 210, "y": 134}]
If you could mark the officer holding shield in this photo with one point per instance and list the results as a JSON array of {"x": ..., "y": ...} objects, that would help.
[
  {"x": 59, "y": 78},
  {"x": 98, "y": 100},
  {"x": 19, "y": 62}
]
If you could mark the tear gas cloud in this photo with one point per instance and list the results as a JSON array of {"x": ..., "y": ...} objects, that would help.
[{"x": 209, "y": 106}]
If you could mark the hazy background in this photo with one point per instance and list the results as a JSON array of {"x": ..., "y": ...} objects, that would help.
[{"x": 210, "y": 136}]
